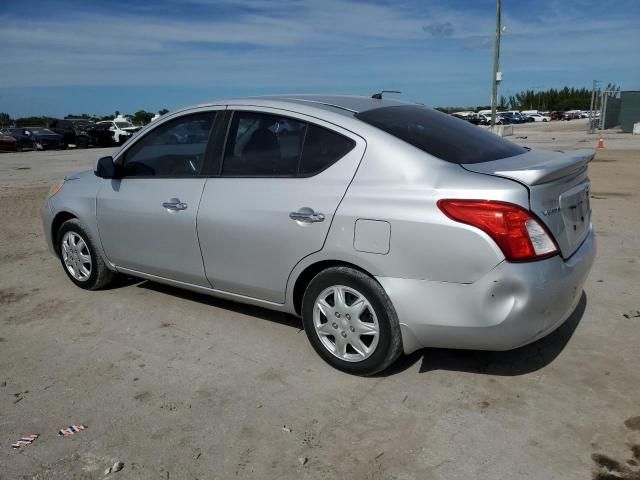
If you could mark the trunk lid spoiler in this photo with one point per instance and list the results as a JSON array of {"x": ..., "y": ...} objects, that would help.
[{"x": 536, "y": 166}]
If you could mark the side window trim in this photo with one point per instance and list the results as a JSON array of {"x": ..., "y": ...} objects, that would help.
[
  {"x": 217, "y": 144},
  {"x": 304, "y": 139}
]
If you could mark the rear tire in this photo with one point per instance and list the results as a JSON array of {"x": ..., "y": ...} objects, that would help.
[
  {"x": 80, "y": 260},
  {"x": 350, "y": 321}
]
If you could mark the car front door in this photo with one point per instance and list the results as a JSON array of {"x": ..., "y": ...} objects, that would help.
[
  {"x": 271, "y": 203},
  {"x": 147, "y": 218}
]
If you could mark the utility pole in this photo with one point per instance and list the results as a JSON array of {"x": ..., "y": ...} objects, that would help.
[
  {"x": 603, "y": 111},
  {"x": 592, "y": 107},
  {"x": 496, "y": 63}
]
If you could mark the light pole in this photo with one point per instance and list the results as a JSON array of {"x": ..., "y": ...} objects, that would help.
[
  {"x": 496, "y": 64},
  {"x": 590, "y": 127}
]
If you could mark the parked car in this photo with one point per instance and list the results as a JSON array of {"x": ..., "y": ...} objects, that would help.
[
  {"x": 536, "y": 117},
  {"x": 557, "y": 115},
  {"x": 512, "y": 118},
  {"x": 23, "y": 141},
  {"x": 72, "y": 131},
  {"x": 471, "y": 118},
  {"x": 386, "y": 226},
  {"x": 486, "y": 119},
  {"x": 45, "y": 139},
  {"x": 98, "y": 135},
  {"x": 571, "y": 115},
  {"x": 122, "y": 130},
  {"x": 7, "y": 143},
  {"x": 474, "y": 119}
]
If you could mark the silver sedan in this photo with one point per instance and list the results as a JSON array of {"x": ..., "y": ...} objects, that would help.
[{"x": 386, "y": 226}]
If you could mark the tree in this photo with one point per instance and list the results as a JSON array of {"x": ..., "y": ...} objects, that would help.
[
  {"x": 163, "y": 111},
  {"x": 5, "y": 119},
  {"x": 84, "y": 116},
  {"x": 34, "y": 121},
  {"x": 142, "y": 117},
  {"x": 554, "y": 99}
]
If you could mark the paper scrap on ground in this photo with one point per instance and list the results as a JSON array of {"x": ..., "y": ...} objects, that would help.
[
  {"x": 71, "y": 429},
  {"x": 25, "y": 441}
]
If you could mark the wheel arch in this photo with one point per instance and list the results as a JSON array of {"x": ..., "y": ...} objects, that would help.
[
  {"x": 57, "y": 222},
  {"x": 305, "y": 277}
]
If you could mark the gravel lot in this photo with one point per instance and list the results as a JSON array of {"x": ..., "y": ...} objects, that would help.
[{"x": 178, "y": 385}]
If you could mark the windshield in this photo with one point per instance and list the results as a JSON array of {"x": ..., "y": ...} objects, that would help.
[
  {"x": 441, "y": 135},
  {"x": 123, "y": 125},
  {"x": 41, "y": 131}
]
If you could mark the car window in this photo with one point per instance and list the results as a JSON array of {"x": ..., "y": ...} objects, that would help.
[
  {"x": 267, "y": 145},
  {"x": 441, "y": 135},
  {"x": 322, "y": 148},
  {"x": 260, "y": 144},
  {"x": 173, "y": 149}
]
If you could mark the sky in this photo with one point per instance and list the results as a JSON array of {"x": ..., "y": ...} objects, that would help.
[{"x": 65, "y": 56}]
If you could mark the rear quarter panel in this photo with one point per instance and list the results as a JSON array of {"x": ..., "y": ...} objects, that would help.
[{"x": 400, "y": 184}]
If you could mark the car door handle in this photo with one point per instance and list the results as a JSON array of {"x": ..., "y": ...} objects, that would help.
[
  {"x": 306, "y": 215},
  {"x": 174, "y": 205}
]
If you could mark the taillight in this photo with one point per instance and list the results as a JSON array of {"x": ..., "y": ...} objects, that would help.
[{"x": 518, "y": 233}]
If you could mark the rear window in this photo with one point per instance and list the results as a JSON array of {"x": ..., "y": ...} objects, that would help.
[{"x": 440, "y": 135}]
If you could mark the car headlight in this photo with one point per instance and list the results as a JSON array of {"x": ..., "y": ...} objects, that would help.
[{"x": 55, "y": 188}]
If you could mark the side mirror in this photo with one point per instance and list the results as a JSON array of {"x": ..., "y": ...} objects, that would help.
[{"x": 105, "y": 168}]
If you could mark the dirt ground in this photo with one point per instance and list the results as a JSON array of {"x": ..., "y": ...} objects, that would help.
[{"x": 178, "y": 385}]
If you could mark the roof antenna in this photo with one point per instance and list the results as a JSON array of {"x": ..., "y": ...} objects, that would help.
[{"x": 378, "y": 96}]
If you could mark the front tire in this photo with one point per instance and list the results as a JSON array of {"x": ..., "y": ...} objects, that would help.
[
  {"x": 80, "y": 260},
  {"x": 350, "y": 321}
]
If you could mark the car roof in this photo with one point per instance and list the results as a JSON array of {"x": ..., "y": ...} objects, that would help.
[
  {"x": 350, "y": 103},
  {"x": 341, "y": 104}
]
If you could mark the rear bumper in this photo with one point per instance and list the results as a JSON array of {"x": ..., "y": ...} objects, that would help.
[{"x": 512, "y": 305}]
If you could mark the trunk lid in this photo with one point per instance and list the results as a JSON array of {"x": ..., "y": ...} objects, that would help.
[{"x": 558, "y": 190}]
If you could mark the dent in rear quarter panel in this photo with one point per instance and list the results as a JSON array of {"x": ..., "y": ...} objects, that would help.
[{"x": 400, "y": 184}]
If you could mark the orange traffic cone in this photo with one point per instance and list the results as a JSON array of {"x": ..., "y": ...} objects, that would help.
[{"x": 600, "y": 142}]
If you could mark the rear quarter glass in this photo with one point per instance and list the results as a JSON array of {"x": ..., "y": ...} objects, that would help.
[{"x": 441, "y": 135}]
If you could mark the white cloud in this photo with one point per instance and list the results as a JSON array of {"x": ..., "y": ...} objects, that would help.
[{"x": 300, "y": 43}]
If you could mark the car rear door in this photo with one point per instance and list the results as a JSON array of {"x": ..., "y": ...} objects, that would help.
[
  {"x": 147, "y": 218},
  {"x": 272, "y": 199}
]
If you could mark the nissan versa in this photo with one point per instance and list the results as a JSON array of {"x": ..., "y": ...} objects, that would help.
[{"x": 387, "y": 226}]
